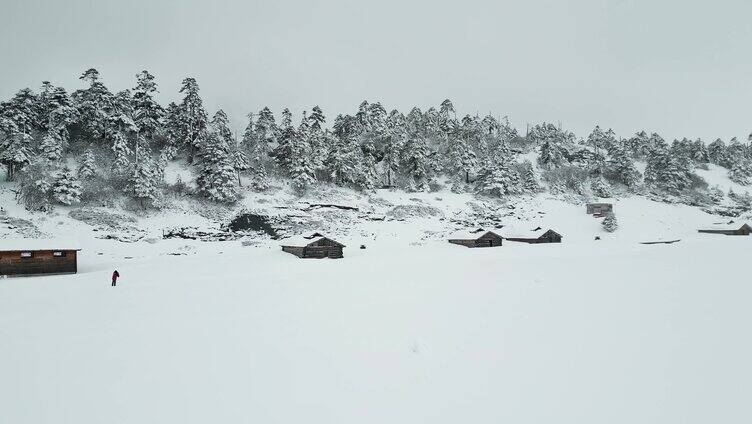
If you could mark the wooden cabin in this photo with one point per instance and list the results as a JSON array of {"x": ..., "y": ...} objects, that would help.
[
  {"x": 729, "y": 230},
  {"x": 488, "y": 239},
  {"x": 314, "y": 246},
  {"x": 36, "y": 257},
  {"x": 536, "y": 237},
  {"x": 599, "y": 209}
]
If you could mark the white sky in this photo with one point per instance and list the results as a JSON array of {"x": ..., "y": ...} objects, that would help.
[{"x": 682, "y": 68}]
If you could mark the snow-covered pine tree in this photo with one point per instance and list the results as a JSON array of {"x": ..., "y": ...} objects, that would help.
[
  {"x": 249, "y": 140},
  {"x": 93, "y": 105},
  {"x": 239, "y": 162},
  {"x": 302, "y": 170},
  {"x": 416, "y": 163},
  {"x": 551, "y": 154},
  {"x": 193, "y": 117},
  {"x": 735, "y": 152},
  {"x": 147, "y": 113},
  {"x": 665, "y": 172},
  {"x": 717, "y": 152},
  {"x": 699, "y": 152},
  {"x": 87, "y": 168},
  {"x": 741, "y": 172},
  {"x": 639, "y": 145},
  {"x": 216, "y": 176},
  {"x": 267, "y": 134},
  {"x": 283, "y": 153},
  {"x": 498, "y": 179},
  {"x": 172, "y": 126},
  {"x": 600, "y": 187},
  {"x": 601, "y": 142},
  {"x": 146, "y": 179},
  {"x": 528, "y": 180},
  {"x": 317, "y": 138},
  {"x": 66, "y": 189},
  {"x": 51, "y": 146},
  {"x": 18, "y": 119},
  {"x": 121, "y": 152},
  {"x": 620, "y": 166},
  {"x": 460, "y": 158},
  {"x": 392, "y": 146},
  {"x": 609, "y": 223}
]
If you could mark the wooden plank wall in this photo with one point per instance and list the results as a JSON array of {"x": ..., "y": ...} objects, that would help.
[{"x": 41, "y": 262}]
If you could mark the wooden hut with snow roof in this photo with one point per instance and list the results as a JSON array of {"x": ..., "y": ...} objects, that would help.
[
  {"x": 488, "y": 239},
  {"x": 34, "y": 257},
  {"x": 314, "y": 246},
  {"x": 730, "y": 229},
  {"x": 599, "y": 209},
  {"x": 536, "y": 237}
]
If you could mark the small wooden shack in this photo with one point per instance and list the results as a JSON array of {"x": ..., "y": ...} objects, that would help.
[
  {"x": 536, "y": 237},
  {"x": 314, "y": 246},
  {"x": 599, "y": 209},
  {"x": 488, "y": 239},
  {"x": 20, "y": 257},
  {"x": 729, "y": 230}
]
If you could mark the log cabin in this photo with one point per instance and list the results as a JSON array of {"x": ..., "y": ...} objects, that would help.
[
  {"x": 21, "y": 257},
  {"x": 488, "y": 239},
  {"x": 314, "y": 246},
  {"x": 536, "y": 237},
  {"x": 729, "y": 230},
  {"x": 599, "y": 209}
]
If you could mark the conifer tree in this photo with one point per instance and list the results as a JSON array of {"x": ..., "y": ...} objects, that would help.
[
  {"x": 87, "y": 168},
  {"x": 267, "y": 133},
  {"x": 609, "y": 223},
  {"x": 666, "y": 172},
  {"x": 283, "y": 154},
  {"x": 51, "y": 146},
  {"x": 147, "y": 113},
  {"x": 239, "y": 163},
  {"x": 717, "y": 152},
  {"x": 145, "y": 180},
  {"x": 393, "y": 144},
  {"x": 741, "y": 172},
  {"x": 121, "y": 152},
  {"x": 499, "y": 179},
  {"x": 66, "y": 189},
  {"x": 94, "y": 105},
  {"x": 620, "y": 166},
  {"x": 193, "y": 117},
  {"x": 216, "y": 174}
]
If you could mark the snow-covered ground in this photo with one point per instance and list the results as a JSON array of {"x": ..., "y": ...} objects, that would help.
[{"x": 411, "y": 329}]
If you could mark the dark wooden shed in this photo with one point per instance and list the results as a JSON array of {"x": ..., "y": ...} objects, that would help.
[
  {"x": 36, "y": 257},
  {"x": 729, "y": 230},
  {"x": 314, "y": 246},
  {"x": 549, "y": 236},
  {"x": 489, "y": 239},
  {"x": 599, "y": 209}
]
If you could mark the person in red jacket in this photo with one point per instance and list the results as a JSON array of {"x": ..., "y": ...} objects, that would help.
[{"x": 115, "y": 276}]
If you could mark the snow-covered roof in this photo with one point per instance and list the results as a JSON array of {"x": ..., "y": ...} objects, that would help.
[
  {"x": 523, "y": 233},
  {"x": 19, "y": 244},
  {"x": 304, "y": 240},
  {"x": 731, "y": 226},
  {"x": 471, "y": 234}
]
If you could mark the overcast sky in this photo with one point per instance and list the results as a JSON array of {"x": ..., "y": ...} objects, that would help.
[{"x": 682, "y": 68}]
